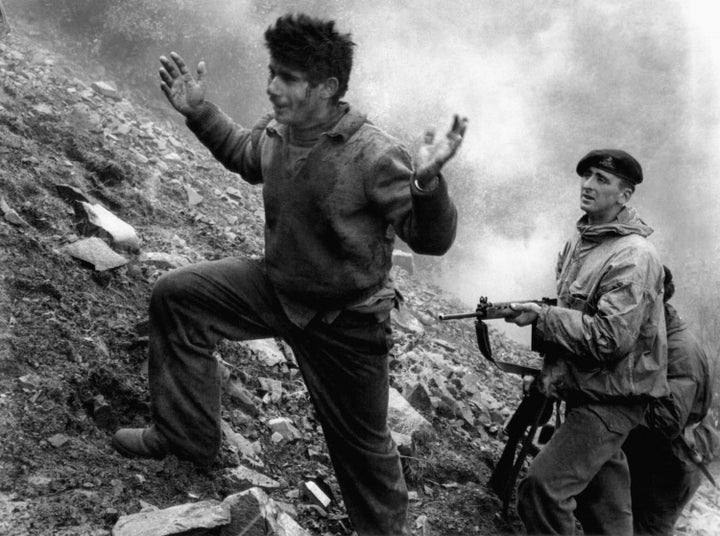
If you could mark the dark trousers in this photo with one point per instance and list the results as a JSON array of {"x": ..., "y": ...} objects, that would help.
[
  {"x": 662, "y": 483},
  {"x": 344, "y": 365},
  {"x": 581, "y": 473}
]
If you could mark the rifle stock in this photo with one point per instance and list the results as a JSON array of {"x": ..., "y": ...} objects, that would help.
[{"x": 534, "y": 410}]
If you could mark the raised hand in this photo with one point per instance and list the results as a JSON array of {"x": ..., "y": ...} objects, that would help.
[
  {"x": 433, "y": 155},
  {"x": 184, "y": 92}
]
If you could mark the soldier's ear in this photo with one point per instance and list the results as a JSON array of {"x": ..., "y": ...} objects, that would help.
[
  {"x": 626, "y": 194},
  {"x": 626, "y": 191}
]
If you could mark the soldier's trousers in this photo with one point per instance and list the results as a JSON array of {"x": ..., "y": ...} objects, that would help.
[
  {"x": 582, "y": 473},
  {"x": 662, "y": 483},
  {"x": 344, "y": 365}
]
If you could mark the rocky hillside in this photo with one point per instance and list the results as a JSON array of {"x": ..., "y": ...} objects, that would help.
[{"x": 99, "y": 195}]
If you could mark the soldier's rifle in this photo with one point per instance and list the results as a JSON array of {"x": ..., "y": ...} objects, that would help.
[{"x": 535, "y": 408}]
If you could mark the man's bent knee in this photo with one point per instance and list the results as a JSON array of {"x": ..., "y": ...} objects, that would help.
[{"x": 173, "y": 283}]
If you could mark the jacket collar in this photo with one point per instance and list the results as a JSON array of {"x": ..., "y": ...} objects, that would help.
[
  {"x": 627, "y": 222},
  {"x": 348, "y": 125}
]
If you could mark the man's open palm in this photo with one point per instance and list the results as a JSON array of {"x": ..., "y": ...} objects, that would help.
[
  {"x": 184, "y": 92},
  {"x": 444, "y": 148}
]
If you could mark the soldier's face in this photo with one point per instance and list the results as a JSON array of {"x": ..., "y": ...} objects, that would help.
[{"x": 602, "y": 195}]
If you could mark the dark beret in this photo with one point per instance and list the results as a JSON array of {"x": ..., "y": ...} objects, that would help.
[{"x": 615, "y": 161}]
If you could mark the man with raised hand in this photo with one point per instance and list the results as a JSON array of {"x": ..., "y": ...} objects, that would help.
[{"x": 336, "y": 190}]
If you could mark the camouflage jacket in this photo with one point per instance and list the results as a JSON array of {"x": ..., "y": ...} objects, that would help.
[{"x": 607, "y": 333}]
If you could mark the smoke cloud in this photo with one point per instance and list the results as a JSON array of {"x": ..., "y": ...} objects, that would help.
[{"x": 542, "y": 84}]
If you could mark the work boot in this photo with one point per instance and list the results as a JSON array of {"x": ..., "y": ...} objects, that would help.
[{"x": 140, "y": 443}]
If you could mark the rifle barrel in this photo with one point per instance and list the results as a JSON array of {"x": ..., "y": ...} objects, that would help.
[
  {"x": 457, "y": 316},
  {"x": 490, "y": 311}
]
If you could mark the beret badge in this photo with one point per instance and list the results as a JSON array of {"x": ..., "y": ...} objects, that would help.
[{"x": 608, "y": 162}]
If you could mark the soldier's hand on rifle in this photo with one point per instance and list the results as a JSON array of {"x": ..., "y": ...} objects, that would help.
[
  {"x": 527, "y": 313},
  {"x": 184, "y": 92},
  {"x": 527, "y": 382},
  {"x": 433, "y": 156}
]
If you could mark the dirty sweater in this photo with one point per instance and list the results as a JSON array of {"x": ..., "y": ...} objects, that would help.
[{"x": 330, "y": 222}]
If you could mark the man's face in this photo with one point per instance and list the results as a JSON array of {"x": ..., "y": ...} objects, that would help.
[
  {"x": 294, "y": 100},
  {"x": 602, "y": 195}
]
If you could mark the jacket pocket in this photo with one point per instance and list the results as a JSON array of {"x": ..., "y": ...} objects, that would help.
[{"x": 618, "y": 419}]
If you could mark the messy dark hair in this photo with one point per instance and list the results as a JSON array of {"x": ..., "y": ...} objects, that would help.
[{"x": 312, "y": 46}]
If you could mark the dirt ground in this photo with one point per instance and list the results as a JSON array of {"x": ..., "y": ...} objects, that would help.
[{"x": 73, "y": 345}]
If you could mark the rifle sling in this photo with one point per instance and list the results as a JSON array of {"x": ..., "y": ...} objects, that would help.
[
  {"x": 524, "y": 450},
  {"x": 483, "y": 340},
  {"x": 514, "y": 368}
]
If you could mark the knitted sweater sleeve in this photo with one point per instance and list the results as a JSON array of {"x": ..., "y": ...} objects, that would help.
[{"x": 231, "y": 144}]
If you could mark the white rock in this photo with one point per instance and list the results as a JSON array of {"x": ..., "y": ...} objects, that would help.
[
  {"x": 403, "y": 418},
  {"x": 267, "y": 350},
  {"x": 256, "y": 514},
  {"x": 122, "y": 233},
  {"x": 246, "y": 448},
  {"x": 106, "y": 90},
  {"x": 194, "y": 198},
  {"x": 244, "y": 478},
  {"x": 284, "y": 427},
  {"x": 310, "y": 492},
  {"x": 174, "y": 520},
  {"x": 95, "y": 251}
]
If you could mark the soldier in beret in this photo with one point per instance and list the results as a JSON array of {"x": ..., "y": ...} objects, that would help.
[{"x": 607, "y": 356}]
